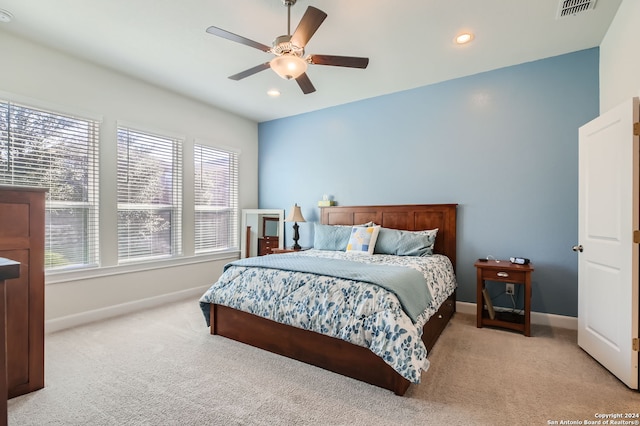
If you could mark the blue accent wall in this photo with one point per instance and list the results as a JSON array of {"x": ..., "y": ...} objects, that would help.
[{"x": 502, "y": 144}]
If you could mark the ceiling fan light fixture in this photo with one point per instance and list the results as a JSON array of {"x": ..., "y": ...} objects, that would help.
[{"x": 289, "y": 66}]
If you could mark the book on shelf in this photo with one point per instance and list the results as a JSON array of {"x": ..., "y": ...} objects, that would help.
[{"x": 487, "y": 301}]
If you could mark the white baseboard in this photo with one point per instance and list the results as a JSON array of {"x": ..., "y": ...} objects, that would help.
[
  {"x": 82, "y": 318},
  {"x": 539, "y": 318},
  {"x": 74, "y": 320}
]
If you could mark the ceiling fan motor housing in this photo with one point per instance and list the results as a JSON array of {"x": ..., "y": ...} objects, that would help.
[{"x": 282, "y": 46}]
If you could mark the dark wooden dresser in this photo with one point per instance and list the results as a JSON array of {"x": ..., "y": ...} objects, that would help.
[
  {"x": 22, "y": 225},
  {"x": 9, "y": 269},
  {"x": 266, "y": 244}
]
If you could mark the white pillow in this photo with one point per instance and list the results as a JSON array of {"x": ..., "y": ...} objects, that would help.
[{"x": 363, "y": 239}]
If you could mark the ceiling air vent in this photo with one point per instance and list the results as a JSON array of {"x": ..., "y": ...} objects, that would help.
[{"x": 574, "y": 7}]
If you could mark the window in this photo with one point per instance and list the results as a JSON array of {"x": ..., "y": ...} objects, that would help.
[
  {"x": 216, "y": 199},
  {"x": 58, "y": 152},
  {"x": 149, "y": 196}
]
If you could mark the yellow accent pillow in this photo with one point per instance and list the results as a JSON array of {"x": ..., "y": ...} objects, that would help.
[{"x": 363, "y": 239}]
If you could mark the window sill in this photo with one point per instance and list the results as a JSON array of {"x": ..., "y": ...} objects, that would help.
[{"x": 105, "y": 271}]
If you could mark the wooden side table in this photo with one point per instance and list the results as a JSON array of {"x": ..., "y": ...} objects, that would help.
[{"x": 506, "y": 272}]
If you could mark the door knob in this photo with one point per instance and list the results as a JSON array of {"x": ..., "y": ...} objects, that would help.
[{"x": 577, "y": 248}]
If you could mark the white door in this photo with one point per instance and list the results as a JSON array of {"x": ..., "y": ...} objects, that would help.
[{"x": 609, "y": 155}]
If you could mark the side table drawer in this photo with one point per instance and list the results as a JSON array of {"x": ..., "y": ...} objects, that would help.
[{"x": 505, "y": 275}]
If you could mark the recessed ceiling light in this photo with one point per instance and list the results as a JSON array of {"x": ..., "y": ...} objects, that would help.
[
  {"x": 463, "y": 38},
  {"x": 5, "y": 16},
  {"x": 274, "y": 93}
]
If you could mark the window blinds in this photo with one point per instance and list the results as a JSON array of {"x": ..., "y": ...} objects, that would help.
[
  {"x": 58, "y": 152},
  {"x": 149, "y": 195},
  {"x": 216, "y": 199}
]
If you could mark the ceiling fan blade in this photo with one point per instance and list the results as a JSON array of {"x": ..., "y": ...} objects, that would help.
[
  {"x": 250, "y": 71},
  {"x": 305, "y": 84},
  {"x": 340, "y": 61},
  {"x": 308, "y": 25},
  {"x": 238, "y": 39}
]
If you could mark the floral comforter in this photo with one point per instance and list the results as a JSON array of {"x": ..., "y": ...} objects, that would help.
[{"x": 361, "y": 313}]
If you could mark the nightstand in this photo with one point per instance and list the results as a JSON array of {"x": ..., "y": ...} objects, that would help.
[
  {"x": 285, "y": 250},
  {"x": 506, "y": 272}
]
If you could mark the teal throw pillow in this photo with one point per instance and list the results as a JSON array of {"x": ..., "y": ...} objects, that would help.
[
  {"x": 406, "y": 243},
  {"x": 330, "y": 237}
]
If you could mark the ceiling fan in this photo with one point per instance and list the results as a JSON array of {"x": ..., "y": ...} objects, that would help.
[{"x": 290, "y": 62}]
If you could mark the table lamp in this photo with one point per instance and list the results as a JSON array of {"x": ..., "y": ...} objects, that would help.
[{"x": 295, "y": 216}]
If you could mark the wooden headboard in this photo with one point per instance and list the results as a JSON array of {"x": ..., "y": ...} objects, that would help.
[{"x": 410, "y": 217}]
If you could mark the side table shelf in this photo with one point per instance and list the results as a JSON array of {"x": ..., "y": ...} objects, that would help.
[{"x": 506, "y": 272}]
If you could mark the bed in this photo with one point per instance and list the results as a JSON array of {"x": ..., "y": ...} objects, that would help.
[{"x": 333, "y": 353}]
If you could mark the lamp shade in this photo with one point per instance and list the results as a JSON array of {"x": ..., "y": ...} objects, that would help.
[
  {"x": 288, "y": 66},
  {"x": 295, "y": 215}
]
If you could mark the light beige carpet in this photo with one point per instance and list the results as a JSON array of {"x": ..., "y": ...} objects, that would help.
[{"x": 161, "y": 367}]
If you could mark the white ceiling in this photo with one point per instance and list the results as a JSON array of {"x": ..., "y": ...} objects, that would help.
[{"x": 409, "y": 43}]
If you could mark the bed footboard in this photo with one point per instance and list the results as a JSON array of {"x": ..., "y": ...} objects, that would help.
[
  {"x": 312, "y": 348},
  {"x": 322, "y": 351}
]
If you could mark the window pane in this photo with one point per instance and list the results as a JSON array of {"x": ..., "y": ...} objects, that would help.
[
  {"x": 69, "y": 237},
  {"x": 215, "y": 230},
  {"x": 58, "y": 152},
  {"x": 216, "y": 199},
  {"x": 144, "y": 233},
  {"x": 149, "y": 195}
]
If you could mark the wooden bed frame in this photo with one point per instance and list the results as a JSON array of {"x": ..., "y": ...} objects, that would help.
[{"x": 331, "y": 353}]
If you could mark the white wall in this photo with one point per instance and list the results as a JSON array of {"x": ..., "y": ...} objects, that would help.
[
  {"x": 619, "y": 58},
  {"x": 48, "y": 78}
]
